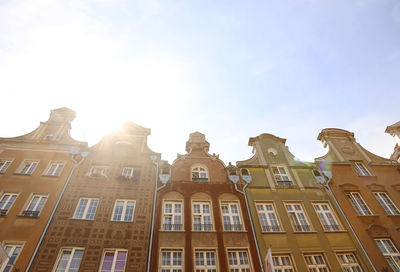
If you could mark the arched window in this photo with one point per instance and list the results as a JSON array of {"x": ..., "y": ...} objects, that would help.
[{"x": 199, "y": 173}]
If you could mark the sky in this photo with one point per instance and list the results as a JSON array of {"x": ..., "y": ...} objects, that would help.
[{"x": 229, "y": 69}]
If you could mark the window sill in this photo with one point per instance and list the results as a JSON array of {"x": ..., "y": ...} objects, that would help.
[
  {"x": 228, "y": 231},
  {"x": 25, "y": 216},
  {"x": 368, "y": 216},
  {"x": 21, "y": 174},
  {"x": 169, "y": 231},
  {"x": 393, "y": 215},
  {"x": 50, "y": 176},
  {"x": 273, "y": 232},
  {"x": 305, "y": 231},
  {"x": 202, "y": 231},
  {"x": 121, "y": 221},
  {"x": 81, "y": 219},
  {"x": 335, "y": 231}
]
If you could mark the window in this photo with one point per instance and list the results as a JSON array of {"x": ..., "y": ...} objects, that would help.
[
  {"x": 55, "y": 169},
  {"x": 27, "y": 167},
  {"x": 327, "y": 217},
  {"x": 316, "y": 263},
  {"x": 361, "y": 169},
  {"x": 280, "y": 175},
  {"x": 171, "y": 260},
  {"x": 6, "y": 202},
  {"x": 349, "y": 262},
  {"x": 199, "y": 174},
  {"x": 69, "y": 260},
  {"x": 172, "y": 215},
  {"x": 4, "y": 165},
  {"x": 359, "y": 204},
  {"x": 131, "y": 173},
  {"x": 86, "y": 208},
  {"x": 390, "y": 253},
  {"x": 238, "y": 261},
  {"x": 205, "y": 261},
  {"x": 98, "y": 172},
  {"x": 231, "y": 216},
  {"x": 114, "y": 260},
  {"x": 123, "y": 210},
  {"x": 268, "y": 218},
  {"x": 202, "y": 216},
  {"x": 12, "y": 252},
  {"x": 35, "y": 206},
  {"x": 298, "y": 217},
  {"x": 387, "y": 203},
  {"x": 283, "y": 263}
]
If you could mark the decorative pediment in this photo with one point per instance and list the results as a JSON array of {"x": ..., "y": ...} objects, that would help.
[
  {"x": 349, "y": 187},
  {"x": 377, "y": 231},
  {"x": 396, "y": 187},
  {"x": 376, "y": 187}
]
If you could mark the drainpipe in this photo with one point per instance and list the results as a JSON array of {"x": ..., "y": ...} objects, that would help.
[
  {"x": 76, "y": 164},
  {"x": 154, "y": 160},
  {"x": 326, "y": 184},
  {"x": 251, "y": 222}
]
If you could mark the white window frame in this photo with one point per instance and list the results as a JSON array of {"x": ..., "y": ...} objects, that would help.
[
  {"x": 11, "y": 247},
  {"x": 390, "y": 252},
  {"x": 349, "y": 262},
  {"x": 358, "y": 203},
  {"x": 205, "y": 260},
  {"x": 56, "y": 170},
  {"x": 202, "y": 214},
  {"x": 232, "y": 216},
  {"x": 168, "y": 265},
  {"x": 387, "y": 203},
  {"x": 128, "y": 172},
  {"x": 327, "y": 216},
  {"x": 27, "y": 167},
  {"x": 124, "y": 210},
  {"x": 283, "y": 263},
  {"x": 313, "y": 262},
  {"x": 201, "y": 172},
  {"x": 298, "y": 218},
  {"x": 174, "y": 215},
  {"x": 4, "y": 164},
  {"x": 71, "y": 257},
  {"x": 87, "y": 208},
  {"x": 98, "y": 171},
  {"x": 281, "y": 175},
  {"x": 361, "y": 170},
  {"x": 116, "y": 251},
  {"x": 237, "y": 261},
  {"x": 35, "y": 210},
  {"x": 6, "y": 206},
  {"x": 269, "y": 220}
]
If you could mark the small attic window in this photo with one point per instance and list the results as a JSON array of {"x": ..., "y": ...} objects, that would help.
[
  {"x": 244, "y": 172},
  {"x": 272, "y": 151},
  {"x": 49, "y": 137},
  {"x": 316, "y": 173},
  {"x": 199, "y": 173},
  {"x": 232, "y": 172}
]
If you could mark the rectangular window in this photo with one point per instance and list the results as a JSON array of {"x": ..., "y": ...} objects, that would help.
[
  {"x": 297, "y": 217},
  {"x": 283, "y": 263},
  {"x": 131, "y": 173},
  {"x": 238, "y": 261},
  {"x": 86, "y": 208},
  {"x": 202, "y": 220},
  {"x": 358, "y": 204},
  {"x": 123, "y": 210},
  {"x": 171, "y": 260},
  {"x": 390, "y": 253},
  {"x": 35, "y": 206},
  {"x": 316, "y": 263},
  {"x": 6, "y": 202},
  {"x": 172, "y": 215},
  {"x": 55, "y": 169},
  {"x": 349, "y": 262},
  {"x": 69, "y": 260},
  {"x": 114, "y": 260},
  {"x": 361, "y": 169},
  {"x": 387, "y": 203},
  {"x": 327, "y": 217},
  {"x": 205, "y": 261},
  {"x": 27, "y": 167},
  {"x": 231, "y": 216},
  {"x": 281, "y": 176},
  {"x": 12, "y": 252},
  {"x": 268, "y": 218},
  {"x": 4, "y": 165}
]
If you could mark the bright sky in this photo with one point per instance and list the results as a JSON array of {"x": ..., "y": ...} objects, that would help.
[{"x": 229, "y": 69}]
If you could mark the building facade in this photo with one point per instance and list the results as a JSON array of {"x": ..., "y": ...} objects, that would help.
[
  {"x": 293, "y": 213},
  {"x": 202, "y": 222},
  {"x": 103, "y": 220},
  {"x": 368, "y": 189},
  {"x": 33, "y": 171}
]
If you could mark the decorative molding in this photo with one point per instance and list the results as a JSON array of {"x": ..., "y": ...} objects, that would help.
[
  {"x": 396, "y": 187},
  {"x": 376, "y": 187},
  {"x": 377, "y": 231},
  {"x": 349, "y": 187}
]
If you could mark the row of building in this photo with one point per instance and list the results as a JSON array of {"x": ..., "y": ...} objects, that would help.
[{"x": 116, "y": 206}]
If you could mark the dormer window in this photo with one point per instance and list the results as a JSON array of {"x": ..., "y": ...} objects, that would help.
[
  {"x": 281, "y": 176},
  {"x": 199, "y": 173},
  {"x": 361, "y": 169}
]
